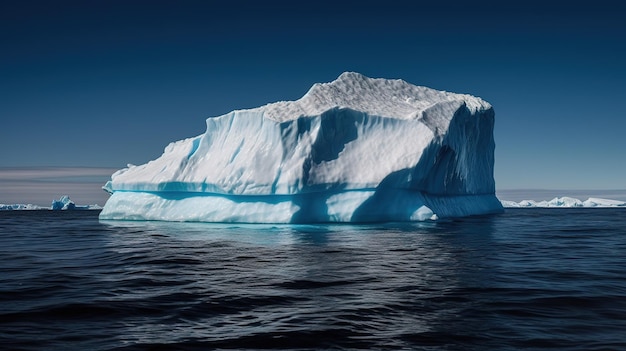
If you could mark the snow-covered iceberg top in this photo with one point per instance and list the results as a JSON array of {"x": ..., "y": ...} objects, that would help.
[
  {"x": 355, "y": 149},
  {"x": 565, "y": 202},
  {"x": 391, "y": 98}
]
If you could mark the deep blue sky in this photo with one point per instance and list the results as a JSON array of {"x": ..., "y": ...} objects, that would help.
[{"x": 106, "y": 83}]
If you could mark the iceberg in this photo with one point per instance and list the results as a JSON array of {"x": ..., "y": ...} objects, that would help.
[
  {"x": 356, "y": 149},
  {"x": 64, "y": 203},
  {"x": 565, "y": 202}
]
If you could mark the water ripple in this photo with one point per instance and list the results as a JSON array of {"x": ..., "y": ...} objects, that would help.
[{"x": 527, "y": 279}]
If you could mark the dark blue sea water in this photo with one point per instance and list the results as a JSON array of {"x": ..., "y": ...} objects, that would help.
[{"x": 531, "y": 279}]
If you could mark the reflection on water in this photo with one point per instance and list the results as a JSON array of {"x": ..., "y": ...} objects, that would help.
[
  {"x": 259, "y": 281},
  {"x": 266, "y": 234}
]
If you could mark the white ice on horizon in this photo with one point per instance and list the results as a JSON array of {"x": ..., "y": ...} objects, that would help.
[
  {"x": 21, "y": 207},
  {"x": 355, "y": 149},
  {"x": 564, "y": 201},
  {"x": 63, "y": 203}
]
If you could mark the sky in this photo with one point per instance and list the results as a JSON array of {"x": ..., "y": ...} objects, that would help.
[{"x": 87, "y": 87}]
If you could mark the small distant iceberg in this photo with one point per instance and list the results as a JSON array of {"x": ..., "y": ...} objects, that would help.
[
  {"x": 564, "y": 202},
  {"x": 62, "y": 204}
]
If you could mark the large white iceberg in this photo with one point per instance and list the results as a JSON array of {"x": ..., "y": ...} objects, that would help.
[{"x": 353, "y": 150}]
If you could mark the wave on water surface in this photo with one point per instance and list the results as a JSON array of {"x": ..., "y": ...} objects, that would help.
[{"x": 524, "y": 279}]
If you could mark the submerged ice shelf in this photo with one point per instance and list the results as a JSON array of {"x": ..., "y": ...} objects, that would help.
[{"x": 353, "y": 150}]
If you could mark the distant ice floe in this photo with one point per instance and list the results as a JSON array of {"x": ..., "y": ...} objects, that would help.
[
  {"x": 62, "y": 204},
  {"x": 21, "y": 207},
  {"x": 564, "y": 202}
]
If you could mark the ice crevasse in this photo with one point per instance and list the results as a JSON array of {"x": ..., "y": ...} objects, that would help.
[{"x": 356, "y": 149}]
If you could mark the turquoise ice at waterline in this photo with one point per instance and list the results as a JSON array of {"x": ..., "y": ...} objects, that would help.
[{"x": 356, "y": 149}]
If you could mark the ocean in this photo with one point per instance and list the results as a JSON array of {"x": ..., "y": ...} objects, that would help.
[{"x": 531, "y": 279}]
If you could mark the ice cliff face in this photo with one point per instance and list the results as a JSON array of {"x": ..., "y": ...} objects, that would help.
[{"x": 355, "y": 149}]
